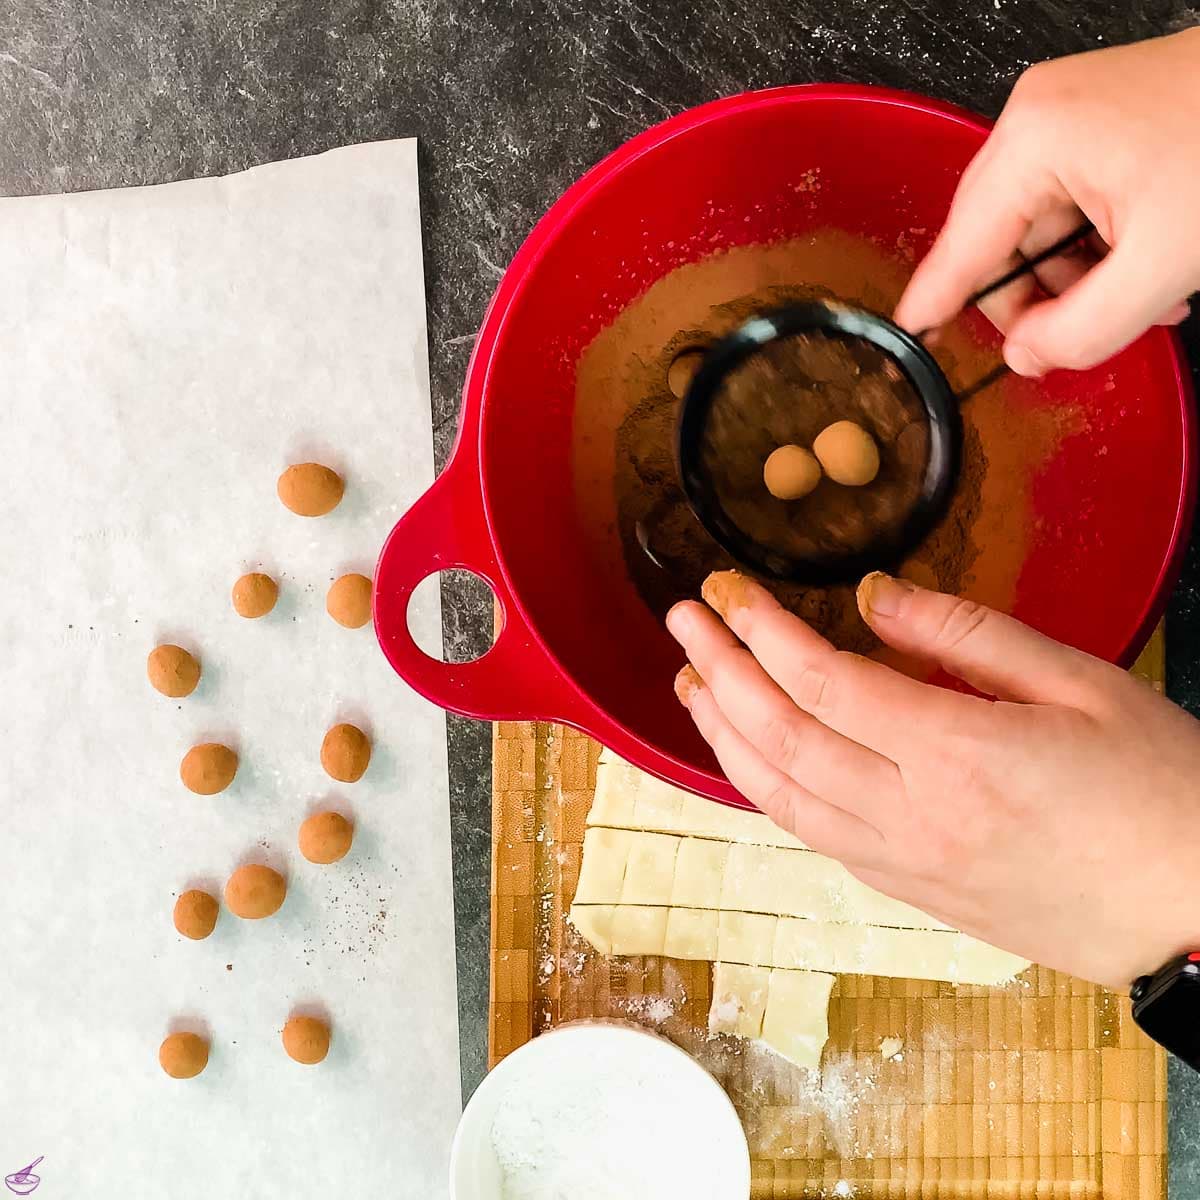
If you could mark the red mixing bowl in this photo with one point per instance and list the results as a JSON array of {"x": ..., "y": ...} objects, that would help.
[{"x": 1114, "y": 504}]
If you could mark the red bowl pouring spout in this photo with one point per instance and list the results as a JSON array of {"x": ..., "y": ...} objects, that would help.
[{"x": 576, "y": 645}]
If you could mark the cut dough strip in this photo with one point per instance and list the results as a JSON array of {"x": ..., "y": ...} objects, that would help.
[
  {"x": 627, "y": 798},
  {"x": 757, "y": 940},
  {"x": 788, "y": 1010},
  {"x": 632, "y": 867}
]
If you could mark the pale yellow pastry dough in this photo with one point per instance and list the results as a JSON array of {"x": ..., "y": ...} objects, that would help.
[
  {"x": 699, "y": 869},
  {"x": 796, "y": 1023},
  {"x": 794, "y": 883},
  {"x": 624, "y": 866},
  {"x": 602, "y": 873},
  {"x": 637, "y": 929},
  {"x": 594, "y": 923},
  {"x": 746, "y": 938},
  {"x": 691, "y": 934},
  {"x": 650, "y": 870},
  {"x": 739, "y": 999},
  {"x": 758, "y": 940},
  {"x": 627, "y": 798}
]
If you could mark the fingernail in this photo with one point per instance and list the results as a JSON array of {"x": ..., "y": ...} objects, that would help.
[
  {"x": 1023, "y": 361},
  {"x": 725, "y": 591},
  {"x": 880, "y": 595},
  {"x": 679, "y": 620},
  {"x": 687, "y": 684}
]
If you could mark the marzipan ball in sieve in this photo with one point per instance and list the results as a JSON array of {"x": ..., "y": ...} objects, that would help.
[
  {"x": 254, "y": 595},
  {"x": 254, "y": 892},
  {"x": 848, "y": 453},
  {"x": 306, "y": 1039},
  {"x": 348, "y": 601},
  {"x": 310, "y": 490},
  {"x": 172, "y": 671},
  {"x": 183, "y": 1055},
  {"x": 345, "y": 753},
  {"x": 791, "y": 472},
  {"x": 196, "y": 914}
]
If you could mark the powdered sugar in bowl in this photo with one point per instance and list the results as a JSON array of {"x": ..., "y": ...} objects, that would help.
[{"x": 599, "y": 1111}]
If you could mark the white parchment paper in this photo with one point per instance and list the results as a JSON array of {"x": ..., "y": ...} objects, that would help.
[{"x": 164, "y": 354}]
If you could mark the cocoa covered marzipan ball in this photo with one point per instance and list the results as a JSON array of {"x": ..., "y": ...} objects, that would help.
[
  {"x": 349, "y": 601},
  {"x": 183, "y": 1055},
  {"x": 325, "y": 837},
  {"x": 196, "y": 914},
  {"x": 306, "y": 1039},
  {"x": 172, "y": 671},
  {"x": 254, "y": 892},
  {"x": 345, "y": 753},
  {"x": 254, "y": 595},
  {"x": 310, "y": 490},
  {"x": 848, "y": 453},
  {"x": 208, "y": 768},
  {"x": 791, "y": 472}
]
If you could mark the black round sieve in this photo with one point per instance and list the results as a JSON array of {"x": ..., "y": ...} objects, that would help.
[{"x": 928, "y": 488}]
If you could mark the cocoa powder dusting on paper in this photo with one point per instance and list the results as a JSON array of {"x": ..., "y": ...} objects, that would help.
[{"x": 625, "y": 423}]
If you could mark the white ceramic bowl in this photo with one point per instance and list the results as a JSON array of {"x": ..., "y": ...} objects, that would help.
[{"x": 707, "y": 1128}]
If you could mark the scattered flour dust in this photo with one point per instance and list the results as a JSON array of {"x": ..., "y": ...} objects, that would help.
[
  {"x": 615, "y": 1129},
  {"x": 654, "y": 1009}
]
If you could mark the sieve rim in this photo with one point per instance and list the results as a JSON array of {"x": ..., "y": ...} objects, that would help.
[{"x": 923, "y": 373}]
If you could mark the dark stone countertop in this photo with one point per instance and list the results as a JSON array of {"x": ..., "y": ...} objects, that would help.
[{"x": 511, "y": 99}]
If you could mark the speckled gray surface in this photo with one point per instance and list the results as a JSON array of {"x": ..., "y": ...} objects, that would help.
[{"x": 511, "y": 101}]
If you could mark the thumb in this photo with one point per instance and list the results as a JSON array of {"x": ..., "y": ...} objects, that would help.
[
  {"x": 994, "y": 653},
  {"x": 1110, "y": 306}
]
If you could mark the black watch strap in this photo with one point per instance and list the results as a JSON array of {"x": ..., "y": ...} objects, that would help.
[{"x": 1166, "y": 1005}]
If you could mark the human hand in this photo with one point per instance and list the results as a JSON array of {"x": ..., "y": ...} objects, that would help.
[
  {"x": 1058, "y": 821},
  {"x": 1109, "y": 135}
]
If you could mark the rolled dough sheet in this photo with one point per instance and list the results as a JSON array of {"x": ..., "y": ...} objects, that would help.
[
  {"x": 623, "y": 866},
  {"x": 164, "y": 353},
  {"x": 754, "y": 939},
  {"x": 627, "y": 798}
]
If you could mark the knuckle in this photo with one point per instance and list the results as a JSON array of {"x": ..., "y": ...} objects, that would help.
[
  {"x": 780, "y": 800},
  {"x": 814, "y": 691},
  {"x": 780, "y": 740},
  {"x": 1033, "y": 85},
  {"x": 958, "y": 622}
]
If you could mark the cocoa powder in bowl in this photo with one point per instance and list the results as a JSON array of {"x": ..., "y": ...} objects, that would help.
[{"x": 625, "y": 413}]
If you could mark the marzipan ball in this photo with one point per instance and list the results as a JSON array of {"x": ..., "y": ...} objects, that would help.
[
  {"x": 254, "y": 891},
  {"x": 196, "y": 914},
  {"x": 682, "y": 371},
  {"x": 345, "y": 753},
  {"x": 848, "y": 453},
  {"x": 172, "y": 671},
  {"x": 791, "y": 472},
  {"x": 325, "y": 837},
  {"x": 208, "y": 768},
  {"x": 306, "y": 1039},
  {"x": 349, "y": 601},
  {"x": 310, "y": 490},
  {"x": 254, "y": 595},
  {"x": 183, "y": 1055}
]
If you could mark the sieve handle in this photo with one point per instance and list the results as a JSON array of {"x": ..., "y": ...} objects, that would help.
[{"x": 1023, "y": 268}]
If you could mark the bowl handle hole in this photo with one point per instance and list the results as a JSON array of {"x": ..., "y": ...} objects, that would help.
[{"x": 471, "y": 616}]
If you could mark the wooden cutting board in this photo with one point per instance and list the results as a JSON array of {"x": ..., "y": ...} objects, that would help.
[{"x": 1042, "y": 1089}]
